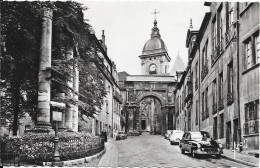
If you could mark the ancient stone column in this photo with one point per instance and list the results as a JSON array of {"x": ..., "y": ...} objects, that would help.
[
  {"x": 166, "y": 118},
  {"x": 75, "y": 122},
  {"x": 152, "y": 116},
  {"x": 61, "y": 125},
  {"x": 138, "y": 119},
  {"x": 170, "y": 118},
  {"x": 163, "y": 121},
  {"x": 70, "y": 107},
  {"x": 44, "y": 88}
]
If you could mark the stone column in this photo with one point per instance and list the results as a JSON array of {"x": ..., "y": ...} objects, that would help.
[
  {"x": 126, "y": 95},
  {"x": 163, "y": 121},
  {"x": 61, "y": 124},
  {"x": 44, "y": 88},
  {"x": 166, "y": 118},
  {"x": 138, "y": 119},
  {"x": 134, "y": 118},
  {"x": 152, "y": 116},
  {"x": 70, "y": 107},
  {"x": 75, "y": 122},
  {"x": 170, "y": 118}
]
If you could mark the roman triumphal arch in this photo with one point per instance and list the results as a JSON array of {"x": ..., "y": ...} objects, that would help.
[{"x": 149, "y": 104}]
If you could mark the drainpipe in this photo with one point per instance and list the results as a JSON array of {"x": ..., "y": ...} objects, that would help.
[
  {"x": 238, "y": 93},
  {"x": 199, "y": 84}
]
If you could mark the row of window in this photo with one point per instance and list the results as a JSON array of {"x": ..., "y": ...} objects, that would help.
[
  {"x": 217, "y": 95},
  {"x": 251, "y": 46}
]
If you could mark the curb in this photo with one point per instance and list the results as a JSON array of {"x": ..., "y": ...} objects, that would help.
[
  {"x": 240, "y": 161},
  {"x": 76, "y": 161}
]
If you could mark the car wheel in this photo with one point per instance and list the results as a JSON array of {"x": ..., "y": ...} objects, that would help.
[
  {"x": 182, "y": 151},
  {"x": 171, "y": 142},
  {"x": 218, "y": 156},
  {"x": 193, "y": 154}
]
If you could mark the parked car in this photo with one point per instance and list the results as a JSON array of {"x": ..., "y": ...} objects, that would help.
[
  {"x": 167, "y": 134},
  {"x": 175, "y": 136},
  {"x": 200, "y": 143},
  {"x": 121, "y": 135}
]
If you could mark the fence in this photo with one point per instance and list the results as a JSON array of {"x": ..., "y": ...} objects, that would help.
[{"x": 26, "y": 151}]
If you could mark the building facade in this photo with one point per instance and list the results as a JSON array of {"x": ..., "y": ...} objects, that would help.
[
  {"x": 108, "y": 117},
  {"x": 148, "y": 99},
  {"x": 249, "y": 83},
  {"x": 220, "y": 86}
]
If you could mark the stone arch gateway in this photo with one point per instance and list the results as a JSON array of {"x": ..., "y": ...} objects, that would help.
[{"x": 157, "y": 96}]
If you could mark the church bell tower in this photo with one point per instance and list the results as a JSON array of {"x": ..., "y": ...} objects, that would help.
[{"x": 154, "y": 58}]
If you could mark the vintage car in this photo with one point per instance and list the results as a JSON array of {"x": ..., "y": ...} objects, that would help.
[
  {"x": 175, "y": 136},
  {"x": 167, "y": 134},
  {"x": 121, "y": 135},
  {"x": 200, "y": 143}
]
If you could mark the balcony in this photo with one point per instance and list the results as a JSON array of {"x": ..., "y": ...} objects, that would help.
[
  {"x": 220, "y": 105},
  {"x": 214, "y": 108},
  {"x": 196, "y": 84},
  {"x": 251, "y": 127},
  {"x": 229, "y": 98},
  {"x": 230, "y": 34},
  {"x": 216, "y": 53},
  {"x": 118, "y": 96},
  {"x": 205, "y": 114},
  {"x": 189, "y": 94},
  {"x": 204, "y": 70}
]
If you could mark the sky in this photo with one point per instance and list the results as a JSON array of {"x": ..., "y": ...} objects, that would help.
[{"x": 128, "y": 25}]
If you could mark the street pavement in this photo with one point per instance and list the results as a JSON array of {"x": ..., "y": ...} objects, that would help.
[
  {"x": 155, "y": 151},
  {"x": 110, "y": 158}
]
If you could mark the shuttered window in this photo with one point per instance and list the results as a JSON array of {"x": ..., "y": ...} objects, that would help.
[
  {"x": 257, "y": 48},
  {"x": 248, "y": 54}
]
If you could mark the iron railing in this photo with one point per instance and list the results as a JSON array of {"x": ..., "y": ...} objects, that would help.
[
  {"x": 221, "y": 104},
  {"x": 190, "y": 92},
  {"x": 216, "y": 52},
  {"x": 204, "y": 70},
  {"x": 230, "y": 34},
  {"x": 214, "y": 108},
  {"x": 229, "y": 98},
  {"x": 196, "y": 84}
]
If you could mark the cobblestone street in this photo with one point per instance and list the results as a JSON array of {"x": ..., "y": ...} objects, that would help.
[{"x": 154, "y": 150}]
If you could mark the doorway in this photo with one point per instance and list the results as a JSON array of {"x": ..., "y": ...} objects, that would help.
[
  {"x": 228, "y": 132},
  {"x": 143, "y": 124},
  {"x": 235, "y": 132}
]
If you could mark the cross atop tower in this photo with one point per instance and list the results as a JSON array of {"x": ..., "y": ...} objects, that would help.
[{"x": 155, "y": 13}]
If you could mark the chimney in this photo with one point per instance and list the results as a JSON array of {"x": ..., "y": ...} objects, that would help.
[{"x": 103, "y": 41}]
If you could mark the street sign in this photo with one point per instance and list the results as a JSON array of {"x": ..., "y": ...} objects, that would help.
[{"x": 57, "y": 116}]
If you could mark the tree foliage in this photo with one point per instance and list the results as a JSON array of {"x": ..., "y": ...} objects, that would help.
[{"x": 21, "y": 36}]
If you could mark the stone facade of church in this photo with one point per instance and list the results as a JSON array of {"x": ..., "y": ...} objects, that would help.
[{"x": 147, "y": 97}]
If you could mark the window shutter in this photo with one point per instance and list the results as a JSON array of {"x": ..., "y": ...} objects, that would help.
[
  {"x": 249, "y": 54},
  {"x": 257, "y": 48}
]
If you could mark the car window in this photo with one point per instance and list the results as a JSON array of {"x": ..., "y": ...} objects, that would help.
[
  {"x": 184, "y": 135},
  {"x": 196, "y": 136},
  {"x": 188, "y": 136},
  {"x": 206, "y": 137}
]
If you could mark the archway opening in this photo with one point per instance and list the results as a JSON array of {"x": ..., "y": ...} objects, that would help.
[{"x": 151, "y": 115}]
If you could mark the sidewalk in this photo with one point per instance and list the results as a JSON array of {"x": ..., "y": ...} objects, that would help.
[
  {"x": 110, "y": 158},
  {"x": 241, "y": 158}
]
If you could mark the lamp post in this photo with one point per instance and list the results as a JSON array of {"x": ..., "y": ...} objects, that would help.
[{"x": 57, "y": 116}]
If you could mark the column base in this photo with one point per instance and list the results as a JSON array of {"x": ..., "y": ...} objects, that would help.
[
  {"x": 42, "y": 127},
  {"x": 62, "y": 129}
]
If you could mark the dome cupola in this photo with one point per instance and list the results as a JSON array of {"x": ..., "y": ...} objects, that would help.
[{"x": 155, "y": 44}]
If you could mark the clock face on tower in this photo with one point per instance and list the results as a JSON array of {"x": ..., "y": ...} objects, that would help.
[{"x": 152, "y": 69}]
